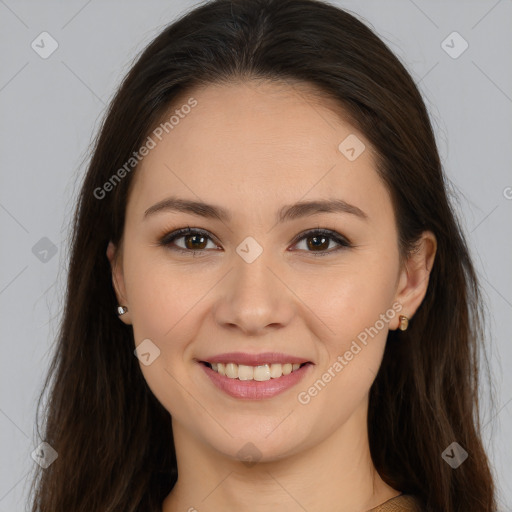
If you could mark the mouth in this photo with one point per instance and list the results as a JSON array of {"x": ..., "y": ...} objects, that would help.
[
  {"x": 260, "y": 373},
  {"x": 255, "y": 381}
]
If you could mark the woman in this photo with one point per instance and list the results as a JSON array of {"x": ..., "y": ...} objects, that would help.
[{"x": 270, "y": 302}]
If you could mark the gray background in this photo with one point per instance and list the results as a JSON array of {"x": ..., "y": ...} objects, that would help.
[{"x": 51, "y": 108}]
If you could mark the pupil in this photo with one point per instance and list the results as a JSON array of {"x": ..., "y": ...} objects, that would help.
[
  {"x": 191, "y": 237},
  {"x": 315, "y": 245}
]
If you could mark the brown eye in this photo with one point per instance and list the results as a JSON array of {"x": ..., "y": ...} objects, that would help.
[
  {"x": 318, "y": 241},
  {"x": 194, "y": 240}
]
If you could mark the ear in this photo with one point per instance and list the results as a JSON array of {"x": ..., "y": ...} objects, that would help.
[
  {"x": 114, "y": 255},
  {"x": 414, "y": 277}
]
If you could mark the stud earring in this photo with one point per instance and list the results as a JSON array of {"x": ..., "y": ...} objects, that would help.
[
  {"x": 404, "y": 322},
  {"x": 121, "y": 310}
]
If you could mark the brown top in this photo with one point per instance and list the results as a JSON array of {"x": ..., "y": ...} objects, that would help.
[{"x": 400, "y": 503}]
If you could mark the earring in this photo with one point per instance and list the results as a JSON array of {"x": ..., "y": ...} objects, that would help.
[
  {"x": 121, "y": 310},
  {"x": 404, "y": 323}
]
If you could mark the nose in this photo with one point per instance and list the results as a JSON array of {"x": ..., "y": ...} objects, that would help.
[{"x": 254, "y": 298}]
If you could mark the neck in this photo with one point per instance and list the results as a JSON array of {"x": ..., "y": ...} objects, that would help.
[{"x": 337, "y": 474}]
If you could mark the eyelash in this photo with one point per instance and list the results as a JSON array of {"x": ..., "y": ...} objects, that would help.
[{"x": 168, "y": 238}]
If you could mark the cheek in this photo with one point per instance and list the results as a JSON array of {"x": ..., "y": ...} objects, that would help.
[
  {"x": 161, "y": 294},
  {"x": 349, "y": 359},
  {"x": 356, "y": 305},
  {"x": 350, "y": 299},
  {"x": 163, "y": 308}
]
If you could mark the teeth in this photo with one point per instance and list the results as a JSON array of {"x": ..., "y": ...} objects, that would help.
[
  {"x": 245, "y": 372},
  {"x": 276, "y": 370},
  {"x": 259, "y": 373},
  {"x": 232, "y": 370}
]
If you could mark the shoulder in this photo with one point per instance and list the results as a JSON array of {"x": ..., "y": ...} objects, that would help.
[{"x": 402, "y": 503}]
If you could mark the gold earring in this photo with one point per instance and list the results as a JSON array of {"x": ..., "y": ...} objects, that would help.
[{"x": 404, "y": 322}]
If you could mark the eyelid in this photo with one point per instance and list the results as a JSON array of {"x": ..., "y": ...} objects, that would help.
[
  {"x": 173, "y": 235},
  {"x": 342, "y": 241},
  {"x": 338, "y": 237}
]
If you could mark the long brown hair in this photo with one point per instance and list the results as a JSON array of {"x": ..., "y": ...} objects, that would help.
[{"x": 113, "y": 438}]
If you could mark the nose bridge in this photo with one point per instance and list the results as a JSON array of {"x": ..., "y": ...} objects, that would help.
[
  {"x": 254, "y": 297},
  {"x": 253, "y": 278}
]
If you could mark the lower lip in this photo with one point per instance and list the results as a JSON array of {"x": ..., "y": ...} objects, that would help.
[{"x": 254, "y": 389}]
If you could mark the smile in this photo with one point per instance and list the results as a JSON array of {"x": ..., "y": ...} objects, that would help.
[
  {"x": 257, "y": 382},
  {"x": 260, "y": 373}
]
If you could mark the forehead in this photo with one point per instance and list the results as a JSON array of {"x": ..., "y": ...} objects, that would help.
[{"x": 254, "y": 146}]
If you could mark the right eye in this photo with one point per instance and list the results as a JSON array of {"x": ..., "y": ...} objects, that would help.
[{"x": 194, "y": 240}]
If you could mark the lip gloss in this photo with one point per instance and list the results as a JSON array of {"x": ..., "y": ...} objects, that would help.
[{"x": 253, "y": 389}]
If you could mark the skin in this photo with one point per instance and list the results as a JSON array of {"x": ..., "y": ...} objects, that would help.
[{"x": 252, "y": 147}]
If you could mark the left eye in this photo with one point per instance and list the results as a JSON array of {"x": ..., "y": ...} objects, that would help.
[
  {"x": 195, "y": 241},
  {"x": 320, "y": 239}
]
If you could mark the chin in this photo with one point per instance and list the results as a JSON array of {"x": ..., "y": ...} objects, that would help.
[{"x": 251, "y": 445}]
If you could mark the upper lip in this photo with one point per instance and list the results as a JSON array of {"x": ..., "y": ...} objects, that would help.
[{"x": 254, "y": 359}]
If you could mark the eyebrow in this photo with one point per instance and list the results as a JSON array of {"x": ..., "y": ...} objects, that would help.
[{"x": 286, "y": 213}]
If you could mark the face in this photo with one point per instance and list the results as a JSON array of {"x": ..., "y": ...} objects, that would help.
[{"x": 259, "y": 279}]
